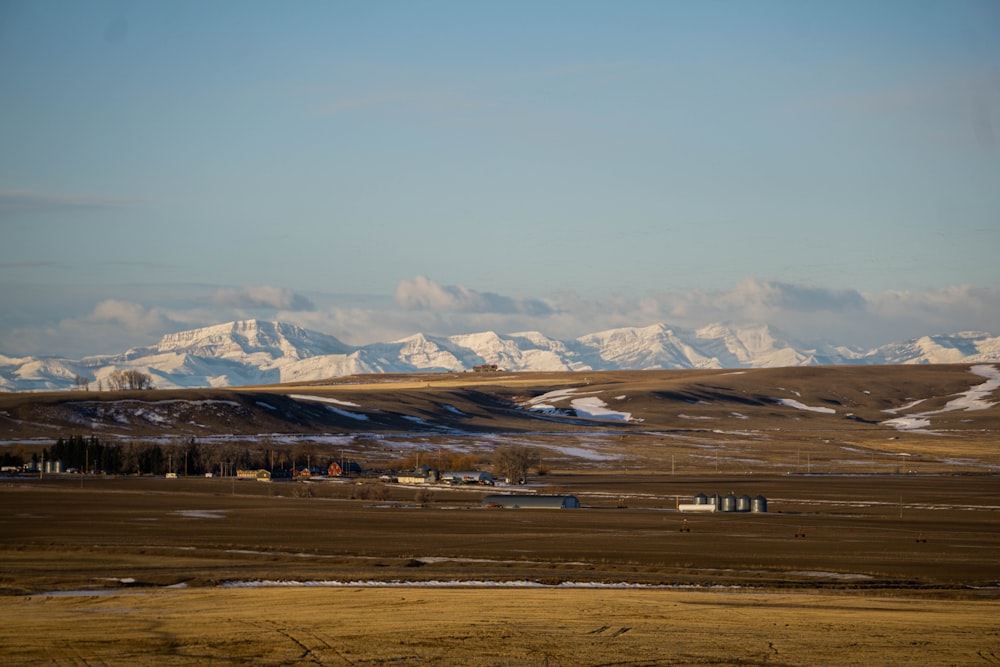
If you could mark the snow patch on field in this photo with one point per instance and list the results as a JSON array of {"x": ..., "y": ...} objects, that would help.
[
  {"x": 455, "y": 583},
  {"x": 596, "y": 408},
  {"x": 976, "y": 398},
  {"x": 323, "y": 399},
  {"x": 830, "y": 575},
  {"x": 584, "y": 406},
  {"x": 581, "y": 453},
  {"x": 202, "y": 514},
  {"x": 792, "y": 403},
  {"x": 350, "y": 415},
  {"x": 333, "y": 401}
]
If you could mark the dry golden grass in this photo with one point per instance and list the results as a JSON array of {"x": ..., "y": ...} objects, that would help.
[{"x": 508, "y": 627}]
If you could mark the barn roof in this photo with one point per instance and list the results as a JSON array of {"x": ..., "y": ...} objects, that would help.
[{"x": 531, "y": 501}]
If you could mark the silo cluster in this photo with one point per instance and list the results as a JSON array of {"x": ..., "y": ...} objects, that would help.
[{"x": 731, "y": 502}]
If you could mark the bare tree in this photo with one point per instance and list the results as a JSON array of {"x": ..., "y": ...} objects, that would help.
[
  {"x": 512, "y": 462},
  {"x": 129, "y": 379},
  {"x": 81, "y": 382}
]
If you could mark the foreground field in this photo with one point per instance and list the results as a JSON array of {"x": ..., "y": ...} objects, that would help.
[
  {"x": 186, "y": 572},
  {"x": 880, "y": 544},
  {"x": 917, "y": 533},
  {"x": 504, "y": 627}
]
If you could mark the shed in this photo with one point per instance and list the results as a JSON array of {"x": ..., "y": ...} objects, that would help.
[
  {"x": 521, "y": 501},
  {"x": 695, "y": 507},
  {"x": 260, "y": 475},
  {"x": 467, "y": 477}
]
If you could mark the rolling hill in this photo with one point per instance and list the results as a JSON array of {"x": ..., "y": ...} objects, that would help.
[{"x": 821, "y": 418}]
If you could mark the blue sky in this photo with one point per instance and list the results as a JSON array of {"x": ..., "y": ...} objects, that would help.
[{"x": 374, "y": 169}]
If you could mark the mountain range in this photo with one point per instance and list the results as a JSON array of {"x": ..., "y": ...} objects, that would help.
[{"x": 259, "y": 352}]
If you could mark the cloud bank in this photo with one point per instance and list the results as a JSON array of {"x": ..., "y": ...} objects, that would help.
[{"x": 808, "y": 314}]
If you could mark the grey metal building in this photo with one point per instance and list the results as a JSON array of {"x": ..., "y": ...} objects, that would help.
[{"x": 520, "y": 501}]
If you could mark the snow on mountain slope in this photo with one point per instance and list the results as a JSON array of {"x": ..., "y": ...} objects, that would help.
[
  {"x": 963, "y": 347},
  {"x": 252, "y": 339},
  {"x": 754, "y": 345},
  {"x": 656, "y": 346},
  {"x": 256, "y": 352},
  {"x": 520, "y": 351}
]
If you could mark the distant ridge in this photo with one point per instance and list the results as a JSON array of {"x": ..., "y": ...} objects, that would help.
[{"x": 260, "y": 352}]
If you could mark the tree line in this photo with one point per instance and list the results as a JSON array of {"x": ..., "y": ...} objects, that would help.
[
  {"x": 91, "y": 454},
  {"x": 119, "y": 380}
]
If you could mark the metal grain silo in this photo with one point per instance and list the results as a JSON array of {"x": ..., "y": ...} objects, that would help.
[
  {"x": 727, "y": 503},
  {"x": 699, "y": 499},
  {"x": 743, "y": 504},
  {"x": 758, "y": 504}
]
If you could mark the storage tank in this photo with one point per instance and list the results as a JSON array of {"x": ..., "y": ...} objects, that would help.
[
  {"x": 699, "y": 499},
  {"x": 714, "y": 500},
  {"x": 758, "y": 504},
  {"x": 728, "y": 503},
  {"x": 743, "y": 504}
]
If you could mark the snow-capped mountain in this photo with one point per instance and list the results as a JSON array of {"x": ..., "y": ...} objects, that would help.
[{"x": 257, "y": 352}]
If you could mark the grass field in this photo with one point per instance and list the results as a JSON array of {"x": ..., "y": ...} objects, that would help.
[
  {"x": 864, "y": 556},
  {"x": 433, "y": 626}
]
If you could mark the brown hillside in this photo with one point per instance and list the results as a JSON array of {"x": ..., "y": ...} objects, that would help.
[{"x": 819, "y": 419}]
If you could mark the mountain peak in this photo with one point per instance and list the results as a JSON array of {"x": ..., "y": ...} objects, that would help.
[{"x": 255, "y": 351}]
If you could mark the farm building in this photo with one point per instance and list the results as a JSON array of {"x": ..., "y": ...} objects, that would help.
[
  {"x": 259, "y": 475},
  {"x": 467, "y": 477},
  {"x": 415, "y": 479},
  {"x": 531, "y": 502},
  {"x": 419, "y": 475}
]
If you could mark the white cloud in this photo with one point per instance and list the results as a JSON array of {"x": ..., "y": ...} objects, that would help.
[
  {"x": 421, "y": 293},
  {"x": 132, "y": 316},
  {"x": 111, "y": 326},
  {"x": 261, "y": 296}
]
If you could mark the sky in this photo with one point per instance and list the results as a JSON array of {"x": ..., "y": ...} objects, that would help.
[{"x": 376, "y": 169}]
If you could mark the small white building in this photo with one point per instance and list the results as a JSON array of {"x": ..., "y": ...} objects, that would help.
[
  {"x": 416, "y": 479},
  {"x": 696, "y": 507}
]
